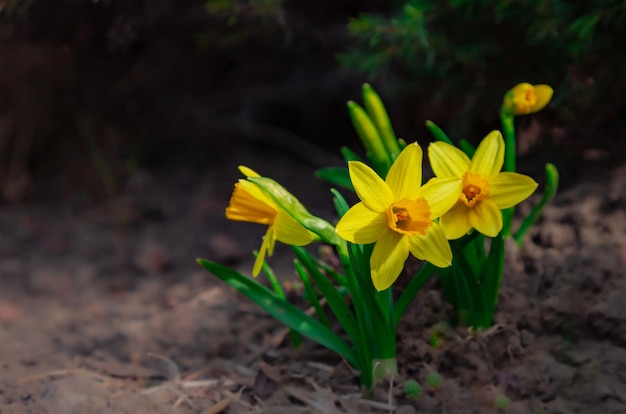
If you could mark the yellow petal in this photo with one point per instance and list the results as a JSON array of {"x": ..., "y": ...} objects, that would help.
[
  {"x": 405, "y": 175},
  {"x": 489, "y": 156},
  {"x": 388, "y": 259},
  {"x": 447, "y": 160},
  {"x": 486, "y": 217},
  {"x": 441, "y": 194},
  {"x": 248, "y": 172},
  {"x": 362, "y": 225},
  {"x": 370, "y": 188},
  {"x": 543, "y": 94},
  {"x": 432, "y": 247},
  {"x": 287, "y": 230},
  {"x": 257, "y": 193},
  {"x": 455, "y": 223},
  {"x": 508, "y": 189},
  {"x": 268, "y": 244},
  {"x": 522, "y": 98},
  {"x": 248, "y": 204},
  {"x": 271, "y": 240}
]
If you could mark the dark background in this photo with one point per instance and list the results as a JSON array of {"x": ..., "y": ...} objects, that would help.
[{"x": 90, "y": 91}]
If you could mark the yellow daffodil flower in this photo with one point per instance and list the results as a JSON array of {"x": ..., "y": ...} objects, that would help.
[
  {"x": 249, "y": 203},
  {"x": 398, "y": 215},
  {"x": 485, "y": 189},
  {"x": 526, "y": 99}
]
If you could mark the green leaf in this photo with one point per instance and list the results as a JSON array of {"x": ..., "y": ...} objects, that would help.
[
  {"x": 336, "y": 301},
  {"x": 437, "y": 132},
  {"x": 551, "y": 187},
  {"x": 292, "y": 205},
  {"x": 282, "y": 311},
  {"x": 467, "y": 148},
  {"x": 341, "y": 205},
  {"x": 349, "y": 155},
  {"x": 336, "y": 175},
  {"x": 311, "y": 294},
  {"x": 410, "y": 291},
  {"x": 492, "y": 277},
  {"x": 278, "y": 291},
  {"x": 379, "y": 330}
]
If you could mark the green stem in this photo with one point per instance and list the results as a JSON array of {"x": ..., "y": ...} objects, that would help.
[
  {"x": 385, "y": 302},
  {"x": 409, "y": 293},
  {"x": 552, "y": 184},
  {"x": 363, "y": 351},
  {"x": 494, "y": 271},
  {"x": 508, "y": 130}
]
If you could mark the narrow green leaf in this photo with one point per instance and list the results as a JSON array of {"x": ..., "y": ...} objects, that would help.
[
  {"x": 470, "y": 293},
  {"x": 341, "y": 205},
  {"x": 336, "y": 301},
  {"x": 278, "y": 291},
  {"x": 283, "y": 311},
  {"x": 379, "y": 330},
  {"x": 311, "y": 294},
  {"x": 437, "y": 132},
  {"x": 335, "y": 175},
  {"x": 494, "y": 269},
  {"x": 474, "y": 253},
  {"x": 551, "y": 187},
  {"x": 467, "y": 148},
  {"x": 349, "y": 155},
  {"x": 410, "y": 291}
]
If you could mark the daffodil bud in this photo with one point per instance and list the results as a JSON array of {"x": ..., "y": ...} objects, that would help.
[
  {"x": 378, "y": 114},
  {"x": 365, "y": 128},
  {"x": 526, "y": 99}
]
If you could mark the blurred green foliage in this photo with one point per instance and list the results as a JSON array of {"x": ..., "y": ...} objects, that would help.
[
  {"x": 250, "y": 21},
  {"x": 457, "y": 51}
]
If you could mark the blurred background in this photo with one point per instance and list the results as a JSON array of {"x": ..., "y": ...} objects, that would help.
[{"x": 92, "y": 91}]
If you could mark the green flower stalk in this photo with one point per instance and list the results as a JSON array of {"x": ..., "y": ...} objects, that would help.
[{"x": 522, "y": 99}]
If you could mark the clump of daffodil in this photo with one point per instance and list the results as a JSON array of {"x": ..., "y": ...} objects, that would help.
[
  {"x": 398, "y": 214},
  {"x": 249, "y": 203},
  {"x": 485, "y": 190},
  {"x": 526, "y": 99}
]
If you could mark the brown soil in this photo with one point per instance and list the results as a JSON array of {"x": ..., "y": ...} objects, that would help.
[{"x": 103, "y": 310}]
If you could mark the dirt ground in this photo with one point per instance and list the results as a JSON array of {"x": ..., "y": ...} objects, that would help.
[{"x": 104, "y": 310}]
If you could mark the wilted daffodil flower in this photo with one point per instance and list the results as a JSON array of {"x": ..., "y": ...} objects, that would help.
[
  {"x": 397, "y": 214},
  {"x": 526, "y": 99},
  {"x": 249, "y": 203},
  {"x": 485, "y": 189}
]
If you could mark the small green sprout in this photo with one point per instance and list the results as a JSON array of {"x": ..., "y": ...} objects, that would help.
[
  {"x": 434, "y": 380},
  {"x": 412, "y": 389},
  {"x": 501, "y": 402}
]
